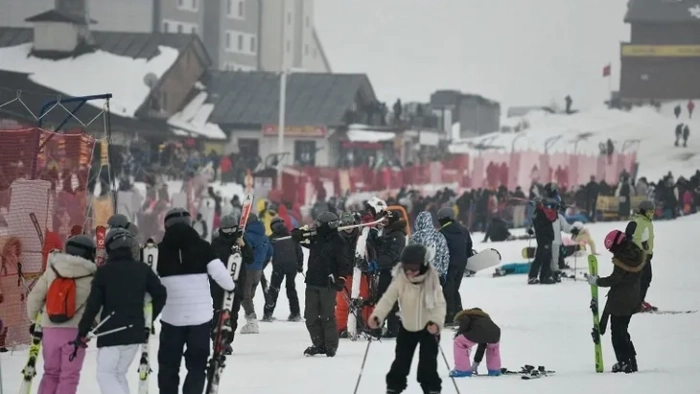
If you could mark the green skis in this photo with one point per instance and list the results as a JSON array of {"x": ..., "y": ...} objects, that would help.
[{"x": 593, "y": 271}]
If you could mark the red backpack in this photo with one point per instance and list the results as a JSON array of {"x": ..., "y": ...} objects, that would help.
[{"x": 60, "y": 298}]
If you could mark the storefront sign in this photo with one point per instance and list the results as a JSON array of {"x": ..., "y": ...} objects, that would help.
[
  {"x": 660, "y": 50},
  {"x": 295, "y": 131}
]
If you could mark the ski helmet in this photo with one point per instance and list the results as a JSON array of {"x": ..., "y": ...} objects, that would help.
[
  {"x": 577, "y": 225},
  {"x": 81, "y": 246},
  {"x": 118, "y": 221},
  {"x": 277, "y": 225},
  {"x": 415, "y": 257},
  {"x": 376, "y": 205},
  {"x": 614, "y": 238},
  {"x": 347, "y": 219},
  {"x": 177, "y": 215},
  {"x": 446, "y": 213},
  {"x": 647, "y": 208},
  {"x": 119, "y": 238},
  {"x": 326, "y": 222},
  {"x": 229, "y": 224}
]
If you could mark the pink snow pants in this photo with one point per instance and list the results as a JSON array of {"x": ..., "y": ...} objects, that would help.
[
  {"x": 462, "y": 353},
  {"x": 61, "y": 376}
]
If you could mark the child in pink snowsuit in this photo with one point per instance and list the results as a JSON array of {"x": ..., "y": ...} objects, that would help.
[{"x": 476, "y": 328}]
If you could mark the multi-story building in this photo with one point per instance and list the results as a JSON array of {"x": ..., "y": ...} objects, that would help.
[{"x": 238, "y": 34}]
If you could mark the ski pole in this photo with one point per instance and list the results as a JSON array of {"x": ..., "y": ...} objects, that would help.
[
  {"x": 447, "y": 364},
  {"x": 341, "y": 228},
  {"x": 362, "y": 367}
]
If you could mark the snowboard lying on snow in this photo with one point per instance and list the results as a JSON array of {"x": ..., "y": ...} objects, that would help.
[
  {"x": 487, "y": 258},
  {"x": 566, "y": 251}
]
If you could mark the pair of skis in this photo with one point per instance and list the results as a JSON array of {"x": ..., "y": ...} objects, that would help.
[
  {"x": 595, "y": 333},
  {"x": 150, "y": 258},
  {"x": 223, "y": 331}
]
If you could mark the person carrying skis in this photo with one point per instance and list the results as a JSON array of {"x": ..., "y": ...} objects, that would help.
[
  {"x": 416, "y": 287},
  {"x": 287, "y": 260},
  {"x": 118, "y": 290},
  {"x": 185, "y": 263},
  {"x": 121, "y": 221},
  {"x": 73, "y": 269},
  {"x": 230, "y": 234},
  {"x": 342, "y": 307},
  {"x": 545, "y": 214},
  {"x": 388, "y": 247},
  {"x": 426, "y": 235},
  {"x": 582, "y": 237},
  {"x": 624, "y": 296},
  {"x": 642, "y": 230},
  {"x": 327, "y": 267},
  {"x": 476, "y": 329},
  {"x": 262, "y": 252},
  {"x": 459, "y": 244}
]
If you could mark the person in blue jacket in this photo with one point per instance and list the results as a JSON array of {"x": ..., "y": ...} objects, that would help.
[{"x": 262, "y": 252}]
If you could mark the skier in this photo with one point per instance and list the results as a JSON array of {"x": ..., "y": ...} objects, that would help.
[
  {"x": 327, "y": 267},
  {"x": 262, "y": 252},
  {"x": 342, "y": 307},
  {"x": 388, "y": 247},
  {"x": 230, "y": 234},
  {"x": 121, "y": 221},
  {"x": 558, "y": 264},
  {"x": 546, "y": 212},
  {"x": 72, "y": 269},
  {"x": 459, "y": 244},
  {"x": 185, "y": 262},
  {"x": 582, "y": 237},
  {"x": 624, "y": 295},
  {"x": 119, "y": 287},
  {"x": 287, "y": 260},
  {"x": 416, "y": 287},
  {"x": 642, "y": 230},
  {"x": 434, "y": 241},
  {"x": 476, "y": 329}
]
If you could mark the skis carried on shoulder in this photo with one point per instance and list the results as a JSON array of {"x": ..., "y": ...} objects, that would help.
[
  {"x": 29, "y": 371},
  {"x": 224, "y": 331},
  {"x": 593, "y": 271},
  {"x": 149, "y": 256}
]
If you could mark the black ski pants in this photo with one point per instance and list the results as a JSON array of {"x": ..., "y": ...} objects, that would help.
[
  {"x": 406, "y": 343},
  {"x": 542, "y": 264},
  {"x": 319, "y": 313},
  {"x": 392, "y": 319},
  {"x": 646, "y": 279},
  {"x": 621, "y": 340},
  {"x": 273, "y": 291},
  {"x": 173, "y": 340},
  {"x": 455, "y": 274}
]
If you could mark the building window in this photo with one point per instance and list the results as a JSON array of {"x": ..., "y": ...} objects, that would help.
[
  {"x": 188, "y": 5},
  {"x": 180, "y": 3},
  {"x": 240, "y": 42},
  {"x": 235, "y": 9},
  {"x": 253, "y": 47},
  {"x": 166, "y": 27},
  {"x": 179, "y": 28},
  {"x": 229, "y": 7},
  {"x": 305, "y": 153},
  {"x": 228, "y": 41},
  {"x": 241, "y": 10}
]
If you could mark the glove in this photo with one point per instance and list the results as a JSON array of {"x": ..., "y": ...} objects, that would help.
[
  {"x": 79, "y": 342},
  {"x": 336, "y": 283},
  {"x": 372, "y": 267},
  {"x": 297, "y": 235},
  {"x": 373, "y": 233},
  {"x": 530, "y": 231},
  {"x": 475, "y": 368},
  {"x": 574, "y": 231},
  {"x": 31, "y": 328},
  {"x": 592, "y": 280}
]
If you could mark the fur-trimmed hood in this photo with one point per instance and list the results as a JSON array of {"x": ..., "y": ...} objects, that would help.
[
  {"x": 70, "y": 266},
  {"x": 629, "y": 257},
  {"x": 471, "y": 312}
]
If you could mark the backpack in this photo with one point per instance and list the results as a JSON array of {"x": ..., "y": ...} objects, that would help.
[{"x": 60, "y": 298}]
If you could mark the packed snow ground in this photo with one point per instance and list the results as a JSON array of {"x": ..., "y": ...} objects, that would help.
[
  {"x": 654, "y": 130},
  {"x": 541, "y": 325}
]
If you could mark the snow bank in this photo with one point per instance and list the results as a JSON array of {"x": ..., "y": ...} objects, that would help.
[
  {"x": 194, "y": 119},
  {"x": 92, "y": 73}
]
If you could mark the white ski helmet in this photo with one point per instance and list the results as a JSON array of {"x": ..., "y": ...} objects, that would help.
[
  {"x": 377, "y": 205},
  {"x": 577, "y": 225}
]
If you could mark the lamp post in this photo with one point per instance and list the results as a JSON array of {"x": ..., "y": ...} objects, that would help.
[{"x": 283, "y": 96}]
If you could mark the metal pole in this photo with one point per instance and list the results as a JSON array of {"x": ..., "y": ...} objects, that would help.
[{"x": 280, "y": 128}]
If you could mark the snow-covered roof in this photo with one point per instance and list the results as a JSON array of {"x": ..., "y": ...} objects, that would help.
[
  {"x": 356, "y": 135},
  {"x": 92, "y": 73},
  {"x": 194, "y": 119}
]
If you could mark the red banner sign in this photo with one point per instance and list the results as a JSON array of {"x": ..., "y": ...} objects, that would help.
[{"x": 295, "y": 131}]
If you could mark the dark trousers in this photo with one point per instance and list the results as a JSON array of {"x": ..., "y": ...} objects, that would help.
[
  {"x": 274, "y": 290},
  {"x": 646, "y": 279},
  {"x": 392, "y": 319},
  {"x": 172, "y": 342},
  {"x": 621, "y": 340},
  {"x": 542, "y": 263},
  {"x": 319, "y": 313},
  {"x": 455, "y": 274},
  {"x": 406, "y": 343}
]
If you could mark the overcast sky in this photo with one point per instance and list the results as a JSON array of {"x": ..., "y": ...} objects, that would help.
[{"x": 519, "y": 52}]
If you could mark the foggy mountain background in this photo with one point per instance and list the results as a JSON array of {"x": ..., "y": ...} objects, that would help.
[{"x": 519, "y": 52}]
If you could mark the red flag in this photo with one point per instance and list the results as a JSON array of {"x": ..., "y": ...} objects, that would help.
[{"x": 606, "y": 70}]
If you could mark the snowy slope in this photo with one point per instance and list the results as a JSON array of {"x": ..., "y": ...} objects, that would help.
[
  {"x": 542, "y": 325},
  {"x": 655, "y": 132}
]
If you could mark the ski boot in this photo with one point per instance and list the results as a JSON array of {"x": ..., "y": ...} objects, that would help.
[
  {"x": 622, "y": 366},
  {"x": 533, "y": 281},
  {"x": 330, "y": 352},
  {"x": 460, "y": 374},
  {"x": 251, "y": 327},
  {"x": 494, "y": 372},
  {"x": 267, "y": 318},
  {"x": 344, "y": 334},
  {"x": 314, "y": 350},
  {"x": 295, "y": 317},
  {"x": 548, "y": 281}
]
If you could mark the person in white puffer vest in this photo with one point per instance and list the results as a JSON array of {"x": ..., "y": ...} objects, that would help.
[{"x": 185, "y": 263}]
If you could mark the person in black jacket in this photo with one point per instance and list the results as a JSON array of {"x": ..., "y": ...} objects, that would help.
[
  {"x": 328, "y": 265},
  {"x": 229, "y": 235},
  {"x": 185, "y": 263},
  {"x": 546, "y": 212},
  {"x": 287, "y": 260},
  {"x": 388, "y": 247},
  {"x": 459, "y": 243},
  {"x": 118, "y": 289}
]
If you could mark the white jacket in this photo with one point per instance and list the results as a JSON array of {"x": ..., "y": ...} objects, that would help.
[
  {"x": 189, "y": 298},
  {"x": 420, "y": 300},
  {"x": 558, "y": 226},
  {"x": 68, "y": 266}
]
